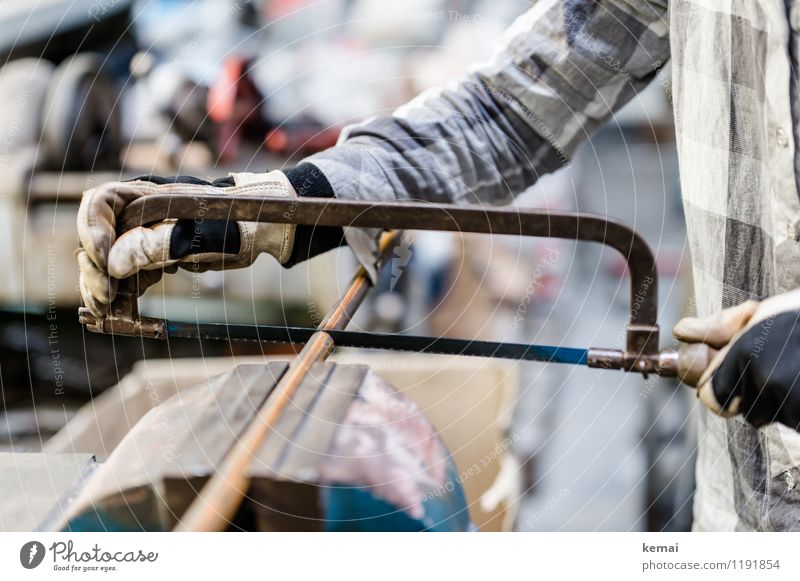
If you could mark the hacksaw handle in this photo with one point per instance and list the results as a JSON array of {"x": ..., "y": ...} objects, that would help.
[{"x": 693, "y": 360}]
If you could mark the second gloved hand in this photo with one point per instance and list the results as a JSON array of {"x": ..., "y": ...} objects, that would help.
[
  {"x": 757, "y": 370},
  {"x": 198, "y": 244}
]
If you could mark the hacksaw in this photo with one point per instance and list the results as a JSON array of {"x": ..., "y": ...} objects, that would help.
[{"x": 640, "y": 353}]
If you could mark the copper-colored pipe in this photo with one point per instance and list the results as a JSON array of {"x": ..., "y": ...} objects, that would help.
[{"x": 219, "y": 499}]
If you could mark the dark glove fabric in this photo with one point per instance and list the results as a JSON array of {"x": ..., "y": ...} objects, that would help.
[
  {"x": 198, "y": 236},
  {"x": 763, "y": 367},
  {"x": 194, "y": 237},
  {"x": 309, "y": 241}
]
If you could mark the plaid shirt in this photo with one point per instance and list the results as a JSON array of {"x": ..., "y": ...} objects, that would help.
[{"x": 563, "y": 70}]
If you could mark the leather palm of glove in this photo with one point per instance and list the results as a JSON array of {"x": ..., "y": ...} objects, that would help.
[
  {"x": 198, "y": 244},
  {"x": 757, "y": 370}
]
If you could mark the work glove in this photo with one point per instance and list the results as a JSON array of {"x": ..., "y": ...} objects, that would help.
[
  {"x": 197, "y": 245},
  {"x": 757, "y": 369}
]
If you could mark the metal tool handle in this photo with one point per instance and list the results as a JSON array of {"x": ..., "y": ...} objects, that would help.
[{"x": 640, "y": 353}]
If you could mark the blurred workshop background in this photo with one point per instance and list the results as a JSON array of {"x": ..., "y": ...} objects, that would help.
[{"x": 99, "y": 90}]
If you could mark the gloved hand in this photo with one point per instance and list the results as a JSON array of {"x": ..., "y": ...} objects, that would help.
[
  {"x": 757, "y": 370},
  {"x": 196, "y": 244}
]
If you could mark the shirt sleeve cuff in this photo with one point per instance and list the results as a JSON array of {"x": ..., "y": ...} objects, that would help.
[{"x": 311, "y": 180}]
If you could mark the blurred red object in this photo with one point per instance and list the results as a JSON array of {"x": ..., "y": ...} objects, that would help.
[
  {"x": 301, "y": 138},
  {"x": 236, "y": 109},
  {"x": 234, "y": 106}
]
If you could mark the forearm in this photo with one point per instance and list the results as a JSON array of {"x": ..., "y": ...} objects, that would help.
[
  {"x": 561, "y": 72},
  {"x": 565, "y": 68},
  {"x": 463, "y": 145},
  {"x": 460, "y": 146}
]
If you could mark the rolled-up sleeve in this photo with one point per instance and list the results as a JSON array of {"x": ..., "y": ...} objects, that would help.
[{"x": 562, "y": 70}]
